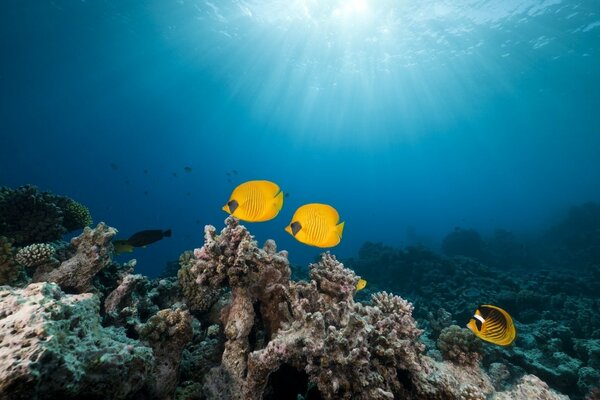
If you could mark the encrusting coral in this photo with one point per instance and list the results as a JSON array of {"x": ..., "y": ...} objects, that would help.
[{"x": 52, "y": 345}]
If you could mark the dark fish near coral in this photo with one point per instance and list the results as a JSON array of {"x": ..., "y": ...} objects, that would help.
[
  {"x": 144, "y": 238},
  {"x": 493, "y": 325},
  {"x": 187, "y": 169}
]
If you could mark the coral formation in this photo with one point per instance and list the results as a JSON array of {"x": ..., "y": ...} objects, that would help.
[
  {"x": 464, "y": 242},
  {"x": 554, "y": 309},
  {"x": 135, "y": 299},
  {"x": 314, "y": 333},
  {"x": 92, "y": 254},
  {"x": 75, "y": 215},
  {"x": 459, "y": 345},
  {"x": 530, "y": 387},
  {"x": 11, "y": 272},
  {"x": 233, "y": 325},
  {"x": 53, "y": 346},
  {"x": 35, "y": 254},
  {"x": 29, "y": 216},
  {"x": 575, "y": 241},
  {"x": 167, "y": 333}
]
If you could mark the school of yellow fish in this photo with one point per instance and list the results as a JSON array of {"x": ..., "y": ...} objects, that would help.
[{"x": 319, "y": 225}]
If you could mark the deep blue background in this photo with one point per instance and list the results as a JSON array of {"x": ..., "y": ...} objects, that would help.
[{"x": 443, "y": 116}]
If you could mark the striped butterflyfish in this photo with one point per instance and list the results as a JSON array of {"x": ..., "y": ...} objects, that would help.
[
  {"x": 316, "y": 225},
  {"x": 255, "y": 201},
  {"x": 493, "y": 325}
]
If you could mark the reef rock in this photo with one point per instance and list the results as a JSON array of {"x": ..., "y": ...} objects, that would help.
[
  {"x": 92, "y": 255},
  {"x": 530, "y": 387},
  {"x": 167, "y": 332},
  {"x": 52, "y": 345}
]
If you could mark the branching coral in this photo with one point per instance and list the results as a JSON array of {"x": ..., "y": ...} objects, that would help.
[{"x": 35, "y": 254}]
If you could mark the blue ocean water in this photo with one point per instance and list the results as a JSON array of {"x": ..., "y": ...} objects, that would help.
[{"x": 410, "y": 118}]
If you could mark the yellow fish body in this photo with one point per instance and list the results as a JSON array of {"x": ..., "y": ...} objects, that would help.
[
  {"x": 361, "y": 284},
  {"x": 493, "y": 325},
  {"x": 255, "y": 201},
  {"x": 316, "y": 225},
  {"x": 122, "y": 246}
]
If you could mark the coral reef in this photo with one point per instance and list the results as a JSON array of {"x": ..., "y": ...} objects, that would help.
[
  {"x": 554, "y": 309},
  {"x": 464, "y": 242},
  {"x": 53, "y": 346},
  {"x": 460, "y": 345},
  {"x": 11, "y": 272},
  {"x": 167, "y": 333},
  {"x": 234, "y": 325},
  {"x": 530, "y": 387},
  {"x": 35, "y": 254},
  {"x": 29, "y": 216},
  {"x": 575, "y": 241},
  {"x": 135, "y": 299},
  {"x": 75, "y": 215},
  {"x": 313, "y": 333},
  {"x": 92, "y": 254}
]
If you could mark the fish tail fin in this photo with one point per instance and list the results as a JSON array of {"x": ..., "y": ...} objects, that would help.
[
  {"x": 339, "y": 229},
  {"x": 167, "y": 233}
]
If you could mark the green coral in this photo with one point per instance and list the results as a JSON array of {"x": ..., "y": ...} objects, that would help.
[
  {"x": 75, "y": 215},
  {"x": 28, "y": 215}
]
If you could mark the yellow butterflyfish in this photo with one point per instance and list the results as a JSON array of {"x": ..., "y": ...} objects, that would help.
[
  {"x": 316, "y": 225},
  {"x": 255, "y": 201},
  {"x": 361, "y": 284}
]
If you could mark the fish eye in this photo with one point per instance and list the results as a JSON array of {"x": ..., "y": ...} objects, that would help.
[
  {"x": 478, "y": 324},
  {"x": 233, "y": 205},
  {"x": 295, "y": 227}
]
